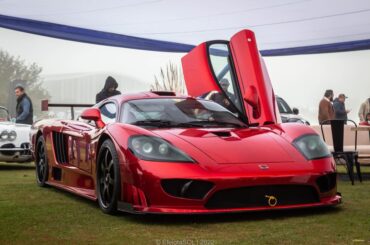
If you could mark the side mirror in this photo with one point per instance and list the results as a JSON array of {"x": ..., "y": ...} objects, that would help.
[
  {"x": 295, "y": 111},
  {"x": 93, "y": 114}
]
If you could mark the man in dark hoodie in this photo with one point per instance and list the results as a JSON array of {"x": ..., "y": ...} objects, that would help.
[
  {"x": 24, "y": 107},
  {"x": 110, "y": 89},
  {"x": 340, "y": 107}
]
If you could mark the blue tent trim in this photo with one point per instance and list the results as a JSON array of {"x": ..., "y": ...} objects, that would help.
[
  {"x": 118, "y": 40},
  {"x": 89, "y": 36},
  {"x": 322, "y": 48}
]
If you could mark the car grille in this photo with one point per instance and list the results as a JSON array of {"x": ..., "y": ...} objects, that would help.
[
  {"x": 7, "y": 146},
  {"x": 258, "y": 196}
]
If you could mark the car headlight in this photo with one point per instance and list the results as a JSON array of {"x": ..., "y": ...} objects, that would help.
[
  {"x": 312, "y": 146},
  {"x": 12, "y": 135},
  {"x": 4, "y": 135},
  {"x": 156, "y": 149}
]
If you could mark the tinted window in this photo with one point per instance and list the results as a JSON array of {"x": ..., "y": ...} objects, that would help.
[
  {"x": 283, "y": 106},
  {"x": 221, "y": 64},
  {"x": 108, "y": 112},
  {"x": 177, "y": 112}
]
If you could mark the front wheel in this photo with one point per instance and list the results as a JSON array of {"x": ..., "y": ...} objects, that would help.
[
  {"x": 108, "y": 178},
  {"x": 41, "y": 161}
]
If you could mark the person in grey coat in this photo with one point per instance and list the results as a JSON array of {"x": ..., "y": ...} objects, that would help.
[{"x": 340, "y": 107}]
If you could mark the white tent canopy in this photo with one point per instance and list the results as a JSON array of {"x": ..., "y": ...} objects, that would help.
[{"x": 282, "y": 26}]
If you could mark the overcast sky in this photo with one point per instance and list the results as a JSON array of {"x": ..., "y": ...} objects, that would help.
[
  {"x": 301, "y": 80},
  {"x": 57, "y": 56}
]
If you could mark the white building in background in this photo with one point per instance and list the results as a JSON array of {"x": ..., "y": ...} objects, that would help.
[{"x": 81, "y": 88}]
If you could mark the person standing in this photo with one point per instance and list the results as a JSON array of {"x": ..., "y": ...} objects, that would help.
[
  {"x": 366, "y": 122},
  {"x": 221, "y": 99},
  {"x": 340, "y": 107},
  {"x": 110, "y": 89},
  {"x": 24, "y": 109},
  {"x": 364, "y": 110},
  {"x": 326, "y": 110}
]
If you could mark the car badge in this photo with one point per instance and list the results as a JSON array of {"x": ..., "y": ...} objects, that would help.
[
  {"x": 271, "y": 200},
  {"x": 263, "y": 166}
]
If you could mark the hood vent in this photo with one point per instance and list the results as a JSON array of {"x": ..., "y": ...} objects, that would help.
[
  {"x": 164, "y": 93},
  {"x": 222, "y": 133}
]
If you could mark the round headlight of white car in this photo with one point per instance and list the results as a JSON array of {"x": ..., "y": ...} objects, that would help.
[
  {"x": 12, "y": 135},
  {"x": 4, "y": 135}
]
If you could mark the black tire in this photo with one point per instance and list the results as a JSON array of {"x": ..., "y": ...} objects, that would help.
[
  {"x": 41, "y": 162},
  {"x": 108, "y": 181}
]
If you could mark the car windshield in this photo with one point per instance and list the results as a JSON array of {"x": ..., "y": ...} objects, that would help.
[
  {"x": 283, "y": 106},
  {"x": 3, "y": 114},
  {"x": 177, "y": 112}
]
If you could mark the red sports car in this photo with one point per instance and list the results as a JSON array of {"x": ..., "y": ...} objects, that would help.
[{"x": 157, "y": 152}]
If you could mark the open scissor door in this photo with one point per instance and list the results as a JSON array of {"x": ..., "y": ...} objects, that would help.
[{"x": 209, "y": 66}]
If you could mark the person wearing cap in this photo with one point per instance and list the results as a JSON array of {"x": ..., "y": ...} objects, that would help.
[
  {"x": 24, "y": 109},
  {"x": 340, "y": 107},
  {"x": 110, "y": 89},
  {"x": 326, "y": 110},
  {"x": 364, "y": 110},
  {"x": 220, "y": 98}
]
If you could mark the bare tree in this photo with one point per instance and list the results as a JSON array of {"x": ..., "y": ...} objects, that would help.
[
  {"x": 14, "y": 70},
  {"x": 170, "y": 79}
]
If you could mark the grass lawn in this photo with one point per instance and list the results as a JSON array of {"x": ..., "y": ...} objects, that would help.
[
  {"x": 364, "y": 169},
  {"x": 33, "y": 215}
]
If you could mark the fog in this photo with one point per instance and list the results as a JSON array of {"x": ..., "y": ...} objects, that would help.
[{"x": 300, "y": 80}]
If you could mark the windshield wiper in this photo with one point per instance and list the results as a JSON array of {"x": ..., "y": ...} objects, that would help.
[
  {"x": 210, "y": 123},
  {"x": 156, "y": 123},
  {"x": 201, "y": 124}
]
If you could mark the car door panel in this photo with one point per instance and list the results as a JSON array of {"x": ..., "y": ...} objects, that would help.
[
  {"x": 197, "y": 72},
  {"x": 243, "y": 66},
  {"x": 253, "y": 78}
]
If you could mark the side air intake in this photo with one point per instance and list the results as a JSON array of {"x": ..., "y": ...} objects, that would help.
[{"x": 60, "y": 147}]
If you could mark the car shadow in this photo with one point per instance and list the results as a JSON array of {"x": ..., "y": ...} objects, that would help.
[
  {"x": 72, "y": 196},
  {"x": 18, "y": 166},
  {"x": 167, "y": 219}
]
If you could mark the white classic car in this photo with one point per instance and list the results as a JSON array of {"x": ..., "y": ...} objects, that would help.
[{"x": 14, "y": 139}]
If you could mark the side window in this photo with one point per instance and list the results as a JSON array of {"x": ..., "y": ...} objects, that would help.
[
  {"x": 221, "y": 64},
  {"x": 108, "y": 112},
  {"x": 283, "y": 106}
]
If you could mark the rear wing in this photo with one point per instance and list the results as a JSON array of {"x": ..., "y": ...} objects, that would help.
[{"x": 45, "y": 106}]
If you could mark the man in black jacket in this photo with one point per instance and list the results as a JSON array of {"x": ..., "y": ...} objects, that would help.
[
  {"x": 24, "y": 107},
  {"x": 340, "y": 107},
  {"x": 110, "y": 89}
]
